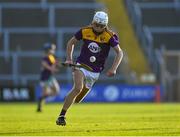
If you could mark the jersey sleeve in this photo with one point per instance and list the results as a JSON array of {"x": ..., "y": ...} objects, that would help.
[
  {"x": 78, "y": 34},
  {"x": 52, "y": 59},
  {"x": 45, "y": 59},
  {"x": 114, "y": 40}
]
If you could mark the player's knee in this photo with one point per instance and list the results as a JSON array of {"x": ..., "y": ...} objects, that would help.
[
  {"x": 81, "y": 95},
  {"x": 77, "y": 101},
  {"x": 46, "y": 91},
  {"x": 57, "y": 89},
  {"x": 78, "y": 89}
]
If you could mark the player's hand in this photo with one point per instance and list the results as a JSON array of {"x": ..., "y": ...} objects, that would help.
[
  {"x": 111, "y": 73},
  {"x": 69, "y": 62},
  {"x": 54, "y": 69}
]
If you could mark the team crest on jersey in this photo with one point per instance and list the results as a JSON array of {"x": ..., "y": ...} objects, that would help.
[
  {"x": 88, "y": 36},
  {"x": 102, "y": 39},
  {"x": 94, "y": 48}
]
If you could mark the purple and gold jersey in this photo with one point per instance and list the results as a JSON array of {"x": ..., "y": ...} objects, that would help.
[
  {"x": 45, "y": 73},
  {"x": 95, "y": 48}
]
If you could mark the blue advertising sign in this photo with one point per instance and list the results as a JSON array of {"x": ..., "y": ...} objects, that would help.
[{"x": 111, "y": 93}]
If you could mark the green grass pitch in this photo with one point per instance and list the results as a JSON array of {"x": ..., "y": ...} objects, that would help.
[{"x": 117, "y": 119}]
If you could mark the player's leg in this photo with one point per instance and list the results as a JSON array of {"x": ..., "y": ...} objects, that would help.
[
  {"x": 90, "y": 79},
  {"x": 78, "y": 79},
  {"x": 55, "y": 88},
  {"x": 49, "y": 88},
  {"x": 82, "y": 94},
  {"x": 45, "y": 91}
]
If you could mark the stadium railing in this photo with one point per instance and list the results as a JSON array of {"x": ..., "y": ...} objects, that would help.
[
  {"x": 17, "y": 76},
  {"x": 146, "y": 34},
  {"x": 170, "y": 78},
  {"x": 51, "y": 19},
  {"x": 59, "y": 31},
  {"x": 149, "y": 31},
  {"x": 135, "y": 11}
]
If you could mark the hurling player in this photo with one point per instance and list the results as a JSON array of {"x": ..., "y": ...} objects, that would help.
[
  {"x": 97, "y": 40},
  {"x": 48, "y": 82}
]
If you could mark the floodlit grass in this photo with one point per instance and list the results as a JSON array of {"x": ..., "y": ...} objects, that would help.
[{"x": 21, "y": 119}]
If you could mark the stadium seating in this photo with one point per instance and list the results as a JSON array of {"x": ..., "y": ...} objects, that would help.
[
  {"x": 12, "y": 18},
  {"x": 1, "y": 42},
  {"x": 170, "y": 40},
  {"x": 29, "y": 41},
  {"x": 6, "y": 66},
  {"x": 149, "y": 1},
  {"x": 157, "y": 24},
  {"x": 19, "y": 1},
  {"x": 160, "y": 17},
  {"x": 6, "y": 71},
  {"x": 26, "y": 25}
]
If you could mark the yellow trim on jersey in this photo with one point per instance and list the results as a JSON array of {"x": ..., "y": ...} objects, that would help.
[
  {"x": 52, "y": 59},
  {"x": 87, "y": 67},
  {"x": 88, "y": 34}
]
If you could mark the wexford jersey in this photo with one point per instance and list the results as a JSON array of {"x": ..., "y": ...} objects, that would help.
[
  {"x": 95, "y": 48},
  {"x": 45, "y": 73}
]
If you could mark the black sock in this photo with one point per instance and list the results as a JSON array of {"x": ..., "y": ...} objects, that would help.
[
  {"x": 63, "y": 112},
  {"x": 40, "y": 100}
]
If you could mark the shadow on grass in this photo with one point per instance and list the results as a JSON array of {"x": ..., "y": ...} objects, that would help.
[{"x": 86, "y": 131}]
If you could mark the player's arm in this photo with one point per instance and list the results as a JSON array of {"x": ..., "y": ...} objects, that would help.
[
  {"x": 47, "y": 66},
  {"x": 70, "y": 48},
  {"x": 116, "y": 62},
  {"x": 118, "y": 57}
]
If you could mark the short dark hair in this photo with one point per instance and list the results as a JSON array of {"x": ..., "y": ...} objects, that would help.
[{"x": 47, "y": 47}]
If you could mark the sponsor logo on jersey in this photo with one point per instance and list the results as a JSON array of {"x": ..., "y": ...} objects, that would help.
[{"x": 94, "y": 48}]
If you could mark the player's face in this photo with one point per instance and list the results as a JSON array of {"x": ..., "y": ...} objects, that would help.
[
  {"x": 98, "y": 27},
  {"x": 53, "y": 49}
]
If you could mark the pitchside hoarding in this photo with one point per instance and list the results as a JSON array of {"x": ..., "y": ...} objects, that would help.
[
  {"x": 112, "y": 93},
  {"x": 16, "y": 94}
]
